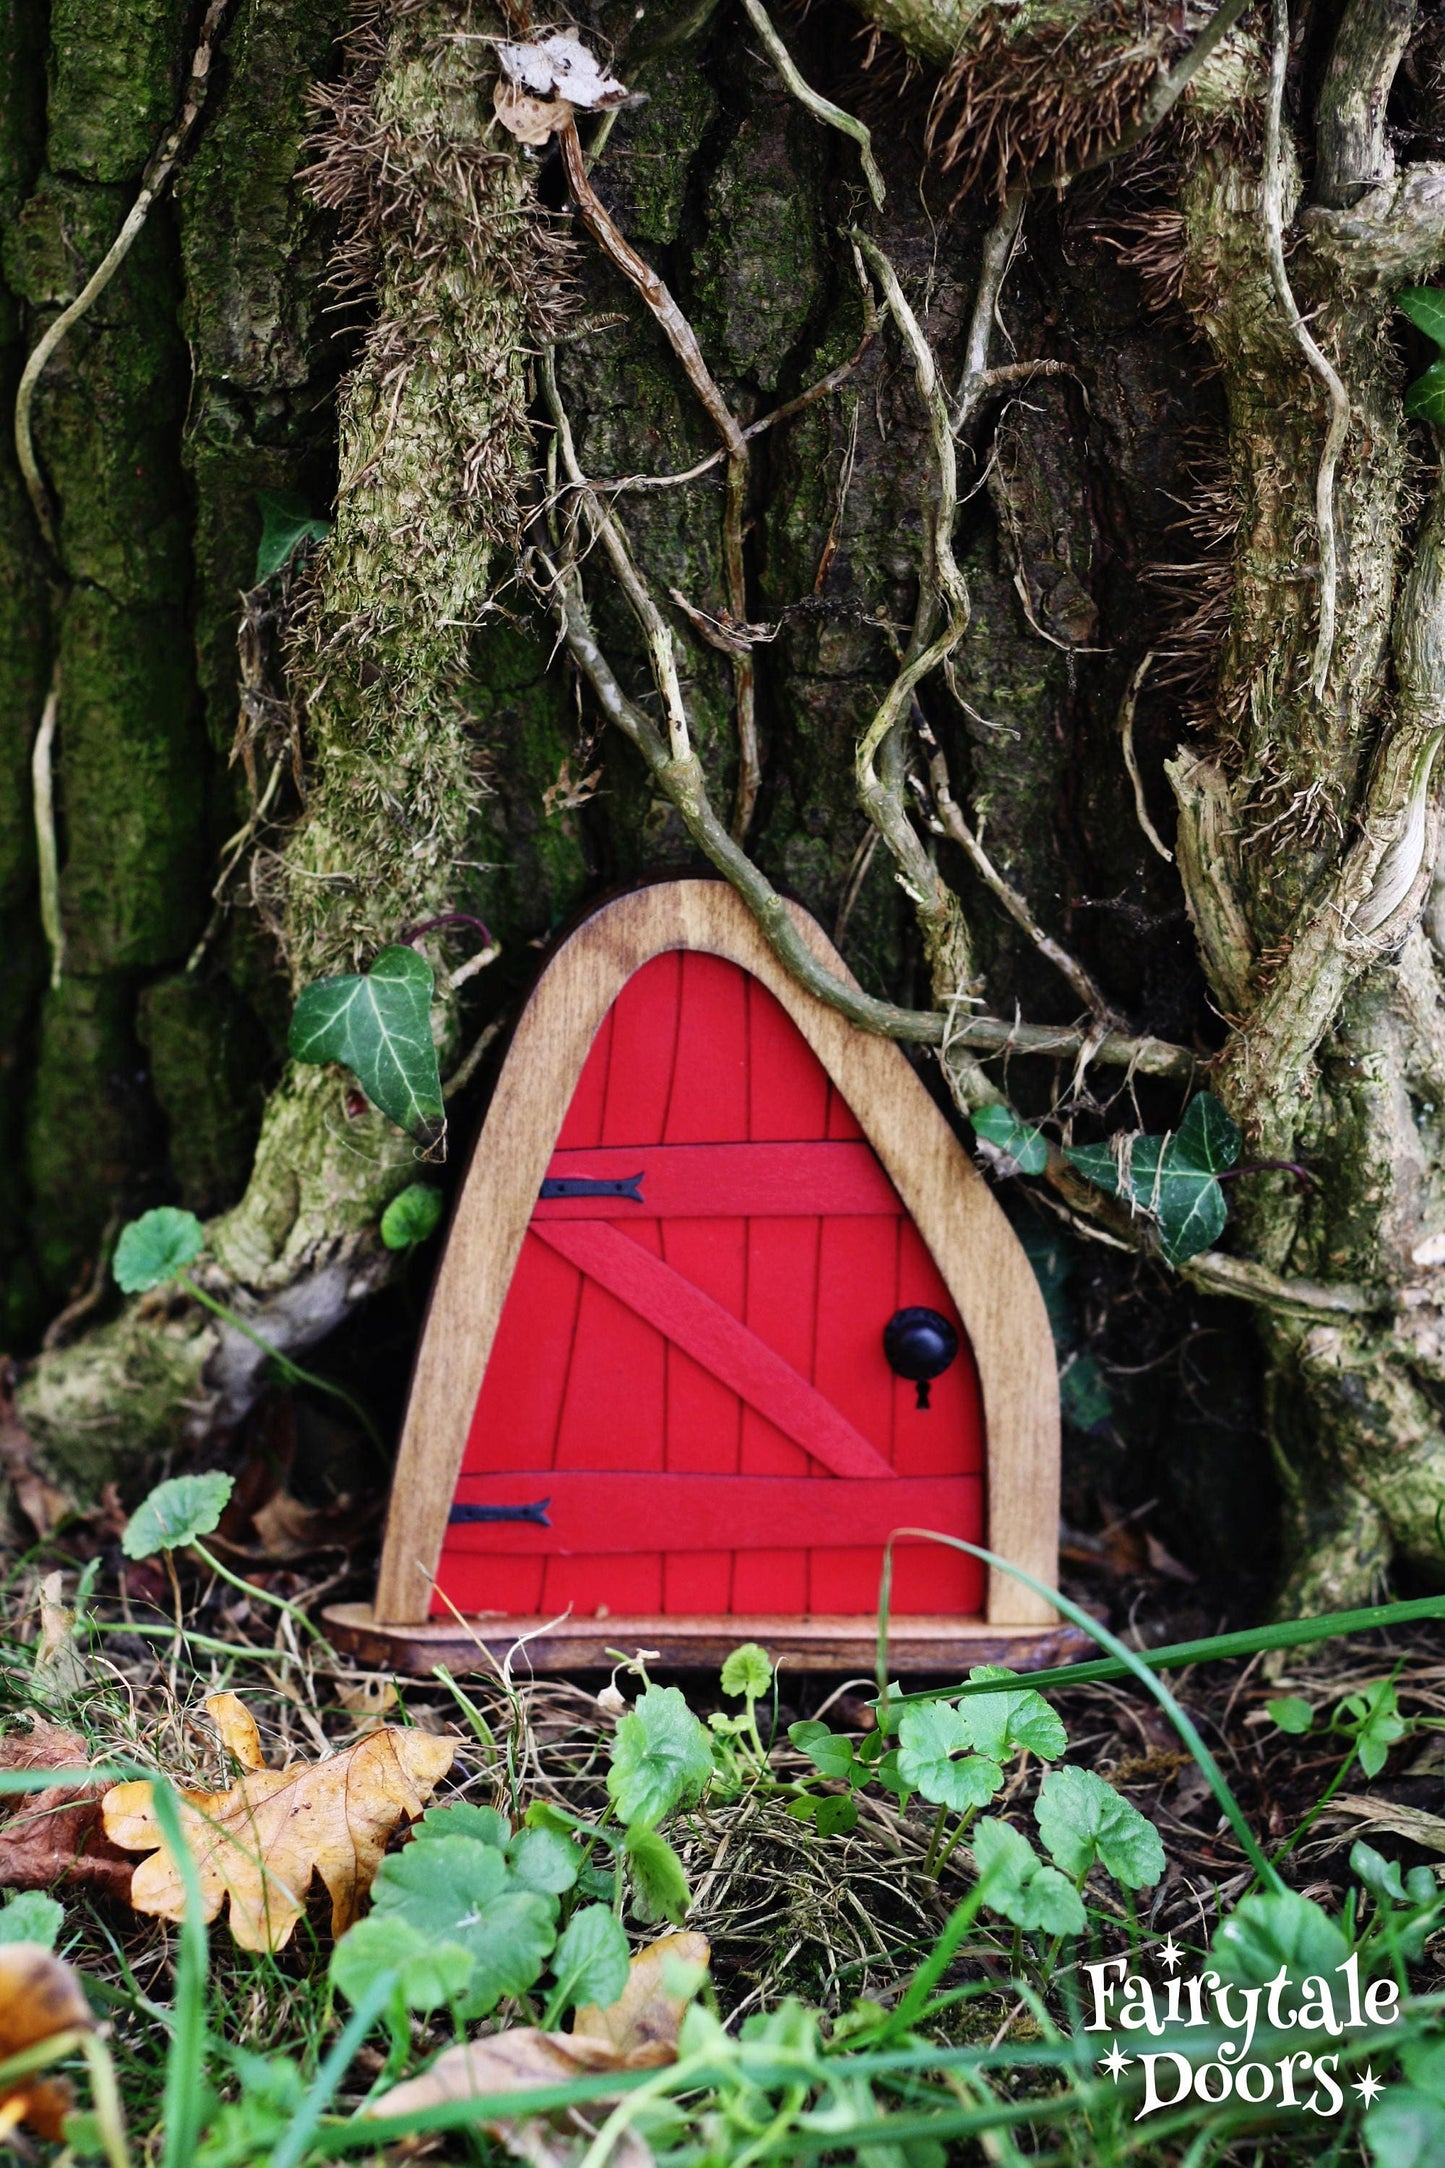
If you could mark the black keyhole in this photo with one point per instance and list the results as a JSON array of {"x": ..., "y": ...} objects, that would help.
[{"x": 919, "y": 1345}]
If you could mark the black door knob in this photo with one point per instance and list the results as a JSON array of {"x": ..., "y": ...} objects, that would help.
[{"x": 919, "y": 1345}]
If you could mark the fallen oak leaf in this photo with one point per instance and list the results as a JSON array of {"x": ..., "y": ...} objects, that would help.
[
  {"x": 56, "y": 1835},
  {"x": 259, "y": 1843},
  {"x": 637, "y": 2032},
  {"x": 41, "y": 1998}
]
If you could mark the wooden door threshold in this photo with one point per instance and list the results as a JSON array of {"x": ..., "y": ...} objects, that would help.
[{"x": 916, "y": 1646}]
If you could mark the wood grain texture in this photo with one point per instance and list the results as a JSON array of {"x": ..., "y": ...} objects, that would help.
[
  {"x": 982, "y": 1263},
  {"x": 917, "y": 1647}
]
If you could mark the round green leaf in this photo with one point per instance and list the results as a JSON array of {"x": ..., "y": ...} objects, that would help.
[
  {"x": 1081, "y": 1819},
  {"x": 1016, "y": 1883},
  {"x": 1291, "y": 1714},
  {"x": 454, "y": 1889},
  {"x": 176, "y": 1512},
  {"x": 1274, "y": 1928},
  {"x": 543, "y": 1860},
  {"x": 830, "y": 1752},
  {"x": 412, "y": 1216},
  {"x": 155, "y": 1247},
  {"x": 32, "y": 1917},
  {"x": 659, "y": 1885},
  {"x": 462, "y": 1819},
  {"x": 748, "y": 1670},
  {"x": 660, "y": 1757},
  {"x": 934, "y": 1758},
  {"x": 998, "y": 1724},
  {"x": 836, "y": 1815},
  {"x": 592, "y": 1958},
  {"x": 431, "y": 1974},
  {"x": 378, "y": 1025}
]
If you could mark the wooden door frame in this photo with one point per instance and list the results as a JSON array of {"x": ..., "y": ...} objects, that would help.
[{"x": 982, "y": 1262}]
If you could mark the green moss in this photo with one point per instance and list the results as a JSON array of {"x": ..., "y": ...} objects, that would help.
[
  {"x": 90, "y": 1124},
  {"x": 22, "y": 976},
  {"x": 131, "y": 881},
  {"x": 206, "y": 1051},
  {"x": 22, "y": 100},
  {"x": 115, "y": 72},
  {"x": 647, "y": 166}
]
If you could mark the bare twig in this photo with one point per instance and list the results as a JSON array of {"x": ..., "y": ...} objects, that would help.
[
  {"x": 683, "y": 783},
  {"x": 157, "y": 173},
  {"x": 821, "y": 108},
  {"x": 1126, "y": 739},
  {"x": 1272, "y": 206},
  {"x": 998, "y": 251},
  {"x": 955, "y": 826},
  {"x": 47, "y": 850}
]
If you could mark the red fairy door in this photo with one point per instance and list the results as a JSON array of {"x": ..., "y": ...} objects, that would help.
[{"x": 687, "y": 1407}]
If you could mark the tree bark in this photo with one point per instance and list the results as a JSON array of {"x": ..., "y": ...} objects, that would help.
[{"x": 413, "y": 741}]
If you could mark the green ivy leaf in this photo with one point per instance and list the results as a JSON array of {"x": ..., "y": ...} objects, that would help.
[
  {"x": 1174, "y": 1178},
  {"x": 1084, "y": 1398},
  {"x": 1274, "y": 1928},
  {"x": 748, "y": 1670},
  {"x": 1291, "y": 1714},
  {"x": 1425, "y": 398},
  {"x": 432, "y": 1975},
  {"x": 378, "y": 1025},
  {"x": 1081, "y": 1819},
  {"x": 660, "y": 1758},
  {"x": 1407, "y": 2128},
  {"x": 836, "y": 1815},
  {"x": 462, "y": 1819},
  {"x": 1019, "y": 1141},
  {"x": 454, "y": 1889},
  {"x": 1425, "y": 307},
  {"x": 32, "y": 1917},
  {"x": 412, "y": 1216},
  {"x": 592, "y": 1958},
  {"x": 659, "y": 1885},
  {"x": 286, "y": 522},
  {"x": 1016, "y": 1883},
  {"x": 176, "y": 1512},
  {"x": 829, "y": 1751},
  {"x": 934, "y": 1758},
  {"x": 998, "y": 1724},
  {"x": 544, "y": 1860},
  {"x": 155, "y": 1247}
]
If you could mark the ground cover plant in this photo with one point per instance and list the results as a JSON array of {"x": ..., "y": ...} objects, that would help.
[{"x": 282, "y": 1910}]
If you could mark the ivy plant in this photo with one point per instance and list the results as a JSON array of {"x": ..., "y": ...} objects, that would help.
[
  {"x": 1173, "y": 1178},
  {"x": 377, "y": 1024},
  {"x": 1425, "y": 307},
  {"x": 286, "y": 522}
]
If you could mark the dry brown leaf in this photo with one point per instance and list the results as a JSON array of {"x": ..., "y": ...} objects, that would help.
[
  {"x": 42, "y": 1504},
  {"x": 637, "y": 2032},
  {"x": 40, "y": 1996},
  {"x": 641, "y": 2027},
  {"x": 530, "y": 120},
  {"x": 1426, "y": 1830},
  {"x": 55, "y": 1835},
  {"x": 260, "y": 1842},
  {"x": 59, "y": 1669}
]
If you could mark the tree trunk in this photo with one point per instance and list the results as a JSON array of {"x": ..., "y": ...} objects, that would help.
[{"x": 423, "y": 726}]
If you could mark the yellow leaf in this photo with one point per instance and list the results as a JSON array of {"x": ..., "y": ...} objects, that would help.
[
  {"x": 643, "y": 2024},
  {"x": 40, "y": 1997},
  {"x": 261, "y": 1842}
]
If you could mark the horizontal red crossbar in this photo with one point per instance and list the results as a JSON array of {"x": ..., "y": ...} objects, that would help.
[
  {"x": 724, "y": 1181},
  {"x": 594, "y": 1514},
  {"x": 719, "y": 1341}
]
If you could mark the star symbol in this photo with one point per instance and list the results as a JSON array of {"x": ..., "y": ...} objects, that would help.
[
  {"x": 1115, "y": 2063},
  {"x": 1170, "y": 1953},
  {"x": 1368, "y": 2086}
]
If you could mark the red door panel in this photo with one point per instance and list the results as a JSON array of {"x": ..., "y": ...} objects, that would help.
[{"x": 711, "y": 1426}]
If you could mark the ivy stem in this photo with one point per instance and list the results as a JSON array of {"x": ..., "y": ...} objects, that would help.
[
  {"x": 250, "y": 1588},
  {"x": 1268, "y": 1166},
  {"x": 291, "y": 1372}
]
